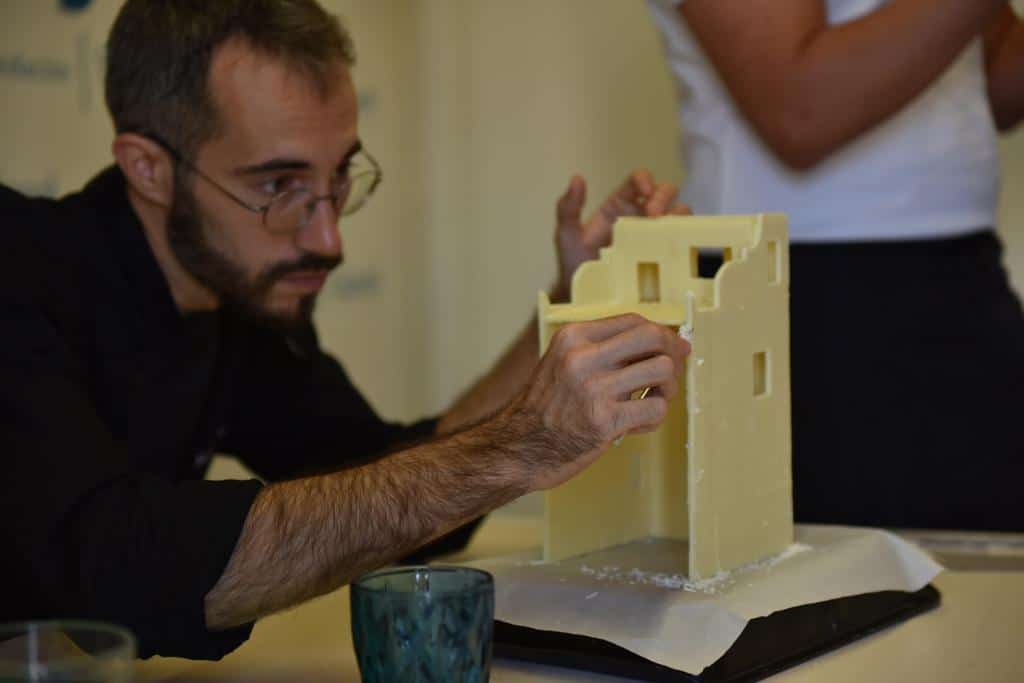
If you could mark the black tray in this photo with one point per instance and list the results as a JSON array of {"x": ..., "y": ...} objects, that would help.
[{"x": 766, "y": 646}]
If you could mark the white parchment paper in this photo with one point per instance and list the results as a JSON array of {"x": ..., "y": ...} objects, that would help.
[{"x": 637, "y": 595}]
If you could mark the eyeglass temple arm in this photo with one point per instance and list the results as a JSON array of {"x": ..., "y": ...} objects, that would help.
[{"x": 178, "y": 157}]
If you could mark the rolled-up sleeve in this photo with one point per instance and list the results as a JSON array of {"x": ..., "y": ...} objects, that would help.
[{"x": 96, "y": 535}]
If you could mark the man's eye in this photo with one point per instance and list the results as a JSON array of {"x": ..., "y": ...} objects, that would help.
[{"x": 275, "y": 186}]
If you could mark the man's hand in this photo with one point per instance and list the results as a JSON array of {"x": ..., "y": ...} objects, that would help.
[
  {"x": 578, "y": 399},
  {"x": 639, "y": 195},
  {"x": 305, "y": 537}
]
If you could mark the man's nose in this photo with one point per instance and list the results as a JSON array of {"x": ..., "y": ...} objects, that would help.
[{"x": 321, "y": 234}]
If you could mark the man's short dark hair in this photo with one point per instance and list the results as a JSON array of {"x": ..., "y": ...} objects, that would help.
[{"x": 159, "y": 54}]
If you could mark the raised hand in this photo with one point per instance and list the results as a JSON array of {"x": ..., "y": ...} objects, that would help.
[{"x": 578, "y": 241}]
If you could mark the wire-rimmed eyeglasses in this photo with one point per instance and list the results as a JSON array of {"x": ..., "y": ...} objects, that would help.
[{"x": 292, "y": 208}]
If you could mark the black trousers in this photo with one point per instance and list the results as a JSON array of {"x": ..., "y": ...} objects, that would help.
[{"x": 907, "y": 385}]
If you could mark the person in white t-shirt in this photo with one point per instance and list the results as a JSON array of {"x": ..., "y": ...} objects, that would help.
[{"x": 873, "y": 125}]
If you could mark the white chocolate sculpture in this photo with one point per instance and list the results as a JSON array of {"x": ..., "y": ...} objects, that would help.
[{"x": 718, "y": 471}]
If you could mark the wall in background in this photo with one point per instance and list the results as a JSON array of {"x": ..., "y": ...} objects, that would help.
[
  {"x": 479, "y": 111},
  {"x": 517, "y": 97},
  {"x": 55, "y": 132}
]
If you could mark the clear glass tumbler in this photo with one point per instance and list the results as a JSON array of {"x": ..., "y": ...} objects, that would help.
[
  {"x": 79, "y": 651},
  {"x": 424, "y": 625}
]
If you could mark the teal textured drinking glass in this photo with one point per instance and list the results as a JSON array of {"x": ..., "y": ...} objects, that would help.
[
  {"x": 66, "y": 651},
  {"x": 424, "y": 625}
]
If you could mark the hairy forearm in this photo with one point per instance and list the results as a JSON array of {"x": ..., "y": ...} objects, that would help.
[
  {"x": 307, "y": 537},
  {"x": 499, "y": 385}
]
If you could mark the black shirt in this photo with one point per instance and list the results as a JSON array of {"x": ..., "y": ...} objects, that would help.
[{"x": 111, "y": 405}]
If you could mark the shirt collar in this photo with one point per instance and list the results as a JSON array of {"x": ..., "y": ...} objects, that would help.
[{"x": 125, "y": 240}]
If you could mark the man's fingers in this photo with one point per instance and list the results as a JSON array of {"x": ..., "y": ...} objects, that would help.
[
  {"x": 570, "y": 204},
  {"x": 660, "y": 200},
  {"x": 615, "y": 207},
  {"x": 658, "y": 372},
  {"x": 619, "y": 355},
  {"x": 595, "y": 331},
  {"x": 639, "y": 184},
  {"x": 632, "y": 193},
  {"x": 640, "y": 195},
  {"x": 680, "y": 209},
  {"x": 639, "y": 416},
  {"x": 642, "y": 341}
]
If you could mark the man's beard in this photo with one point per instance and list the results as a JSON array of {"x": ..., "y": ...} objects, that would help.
[{"x": 225, "y": 278}]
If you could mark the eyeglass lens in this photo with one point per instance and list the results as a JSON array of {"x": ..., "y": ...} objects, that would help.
[{"x": 293, "y": 210}]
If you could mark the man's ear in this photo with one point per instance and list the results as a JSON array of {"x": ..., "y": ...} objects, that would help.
[{"x": 147, "y": 166}]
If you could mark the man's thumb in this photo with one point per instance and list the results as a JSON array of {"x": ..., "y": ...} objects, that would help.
[{"x": 570, "y": 204}]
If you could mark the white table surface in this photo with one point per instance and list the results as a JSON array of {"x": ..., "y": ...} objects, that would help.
[{"x": 976, "y": 634}]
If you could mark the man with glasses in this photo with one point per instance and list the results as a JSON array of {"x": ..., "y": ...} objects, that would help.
[{"x": 163, "y": 314}]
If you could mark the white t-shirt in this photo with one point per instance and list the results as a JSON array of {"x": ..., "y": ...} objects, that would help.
[{"x": 931, "y": 170}]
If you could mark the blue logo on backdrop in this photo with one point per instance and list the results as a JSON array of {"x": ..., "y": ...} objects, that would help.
[{"x": 74, "y": 5}]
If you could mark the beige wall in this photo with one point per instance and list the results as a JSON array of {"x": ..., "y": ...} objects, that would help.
[
  {"x": 479, "y": 111},
  {"x": 54, "y": 130},
  {"x": 517, "y": 97}
]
